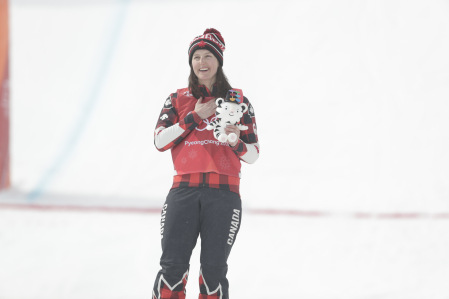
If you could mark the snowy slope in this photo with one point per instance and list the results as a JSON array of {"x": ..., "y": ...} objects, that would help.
[
  {"x": 350, "y": 98},
  {"x": 71, "y": 255}
]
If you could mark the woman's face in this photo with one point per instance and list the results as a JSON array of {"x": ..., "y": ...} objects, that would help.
[{"x": 205, "y": 66}]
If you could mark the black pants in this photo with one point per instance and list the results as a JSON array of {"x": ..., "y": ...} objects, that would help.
[{"x": 213, "y": 214}]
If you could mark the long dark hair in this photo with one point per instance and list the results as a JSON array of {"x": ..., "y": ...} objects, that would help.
[{"x": 221, "y": 84}]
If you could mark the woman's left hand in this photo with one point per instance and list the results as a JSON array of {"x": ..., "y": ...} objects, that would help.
[{"x": 233, "y": 129}]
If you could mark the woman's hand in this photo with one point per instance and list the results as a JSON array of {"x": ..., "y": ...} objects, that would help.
[
  {"x": 205, "y": 110},
  {"x": 233, "y": 129}
]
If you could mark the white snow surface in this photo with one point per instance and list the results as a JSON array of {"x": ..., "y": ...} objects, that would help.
[
  {"x": 56, "y": 255},
  {"x": 351, "y": 101}
]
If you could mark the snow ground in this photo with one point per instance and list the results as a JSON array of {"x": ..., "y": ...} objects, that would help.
[
  {"x": 79, "y": 255},
  {"x": 361, "y": 190}
]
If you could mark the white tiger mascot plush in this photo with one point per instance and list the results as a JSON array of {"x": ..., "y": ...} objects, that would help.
[{"x": 229, "y": 112}]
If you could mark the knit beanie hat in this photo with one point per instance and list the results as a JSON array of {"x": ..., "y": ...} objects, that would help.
[{"x": 210, "y": 40}]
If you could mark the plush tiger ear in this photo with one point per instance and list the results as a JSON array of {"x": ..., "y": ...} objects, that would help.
[
  {"x": 219, "y": 101},
  {"x": 244, "y": 107}
]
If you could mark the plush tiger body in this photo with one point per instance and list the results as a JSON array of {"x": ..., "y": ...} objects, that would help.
[{"x": 229, "y": 112}]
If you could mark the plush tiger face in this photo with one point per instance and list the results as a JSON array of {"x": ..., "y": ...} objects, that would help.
[{"x": 230, "y": 112}]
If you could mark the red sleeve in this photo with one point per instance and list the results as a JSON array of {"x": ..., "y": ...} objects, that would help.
[
  {"x": 247, "y": 147},
  {"x": 169, "y": 129}
]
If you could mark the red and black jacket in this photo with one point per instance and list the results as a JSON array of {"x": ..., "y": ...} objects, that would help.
[{"x": 198, "y": 158}]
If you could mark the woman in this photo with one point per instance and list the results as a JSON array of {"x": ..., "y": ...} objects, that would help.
[{"x": 204, "y": 199}]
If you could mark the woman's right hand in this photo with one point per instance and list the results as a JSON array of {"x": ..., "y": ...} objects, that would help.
[{"x": 205, "y": 110}]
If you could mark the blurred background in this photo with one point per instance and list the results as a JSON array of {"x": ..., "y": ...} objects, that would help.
[{"x": 351, "y": 100}]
